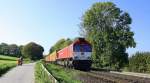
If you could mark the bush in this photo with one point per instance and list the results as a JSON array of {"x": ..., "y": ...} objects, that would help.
[{"x": 140, "y": 62}]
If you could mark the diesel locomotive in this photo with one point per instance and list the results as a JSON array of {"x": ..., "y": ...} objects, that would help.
[{"x": 77, "y": 55}]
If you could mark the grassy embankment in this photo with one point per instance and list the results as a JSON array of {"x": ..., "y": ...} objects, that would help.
[
  {"x": 61, "y": 74},
  {"x": 40, "y": 75},
  {"x": 6, "y": 63}
]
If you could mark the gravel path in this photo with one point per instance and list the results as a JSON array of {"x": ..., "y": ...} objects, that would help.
[{"x": 20, "y": 74}]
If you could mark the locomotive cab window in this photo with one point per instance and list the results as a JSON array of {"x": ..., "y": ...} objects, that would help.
[{"x": 82, "y": 48}]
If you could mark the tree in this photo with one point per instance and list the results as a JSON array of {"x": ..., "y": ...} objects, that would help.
[
  {"x": 13, "y": 50},
  {"x": 33, "y": 51},
  {"x": 60, "y": 44},
  {"x": 10, "y": 50},
  {"x": 20, "y": 50},
  {"x": 4, "y": 48},
  {"x": 107, "y": 28}
]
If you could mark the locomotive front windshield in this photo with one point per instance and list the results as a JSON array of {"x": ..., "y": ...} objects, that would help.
[{"x": 82, "y": 48}]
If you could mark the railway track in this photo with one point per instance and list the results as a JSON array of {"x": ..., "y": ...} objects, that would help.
[
  {"x": 99, "y": 76},
  {"x": 107, "y": 77},
  {"x": 93, "y": 78}
]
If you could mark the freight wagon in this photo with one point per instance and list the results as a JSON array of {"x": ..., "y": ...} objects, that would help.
[
  {"x": 77, "y": 55},
  {"x": 51, "y": 57}
]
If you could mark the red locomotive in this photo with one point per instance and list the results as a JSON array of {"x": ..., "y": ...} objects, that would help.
[{"x": 78, "y": 55}]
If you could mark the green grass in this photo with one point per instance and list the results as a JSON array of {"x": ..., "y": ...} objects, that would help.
[
  {"x": 5, "y": 67},
  {"x": 9, "y": 59},
  {"x": 62, "y": 74},
  {"x": 6, "y": 63},
  {"x": 40, "y": 75},
  {"x": 3, "y": 57}
]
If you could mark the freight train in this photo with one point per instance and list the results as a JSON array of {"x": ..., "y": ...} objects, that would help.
[{"x": 76, "y": 55}]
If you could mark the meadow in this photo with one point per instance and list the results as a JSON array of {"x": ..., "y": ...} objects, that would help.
[{"x": 6, "y": 63}]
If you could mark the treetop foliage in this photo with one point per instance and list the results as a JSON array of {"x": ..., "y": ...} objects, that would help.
[{"x": 33, "y": 51}]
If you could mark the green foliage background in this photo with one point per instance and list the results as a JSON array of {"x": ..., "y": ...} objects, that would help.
[
  {"x": 140, "y": 62},
  {"x": 60, "y": 44},
  {"x": 10, "y": 50}
]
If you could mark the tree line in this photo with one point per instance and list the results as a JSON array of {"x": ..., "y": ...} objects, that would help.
[
  {"x": 10, "y": 49},
  {"x": 139, "y": 62},
  {"x": 30, "y": 51}
]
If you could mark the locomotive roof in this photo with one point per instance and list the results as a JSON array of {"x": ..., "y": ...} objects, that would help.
[{"x": 80, "y": 41}]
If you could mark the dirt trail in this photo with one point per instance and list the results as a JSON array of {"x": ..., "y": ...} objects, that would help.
[{"x": 20, "y": 74}]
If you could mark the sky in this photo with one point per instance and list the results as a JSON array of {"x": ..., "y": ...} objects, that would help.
[{"x": 47, "y": 21}]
